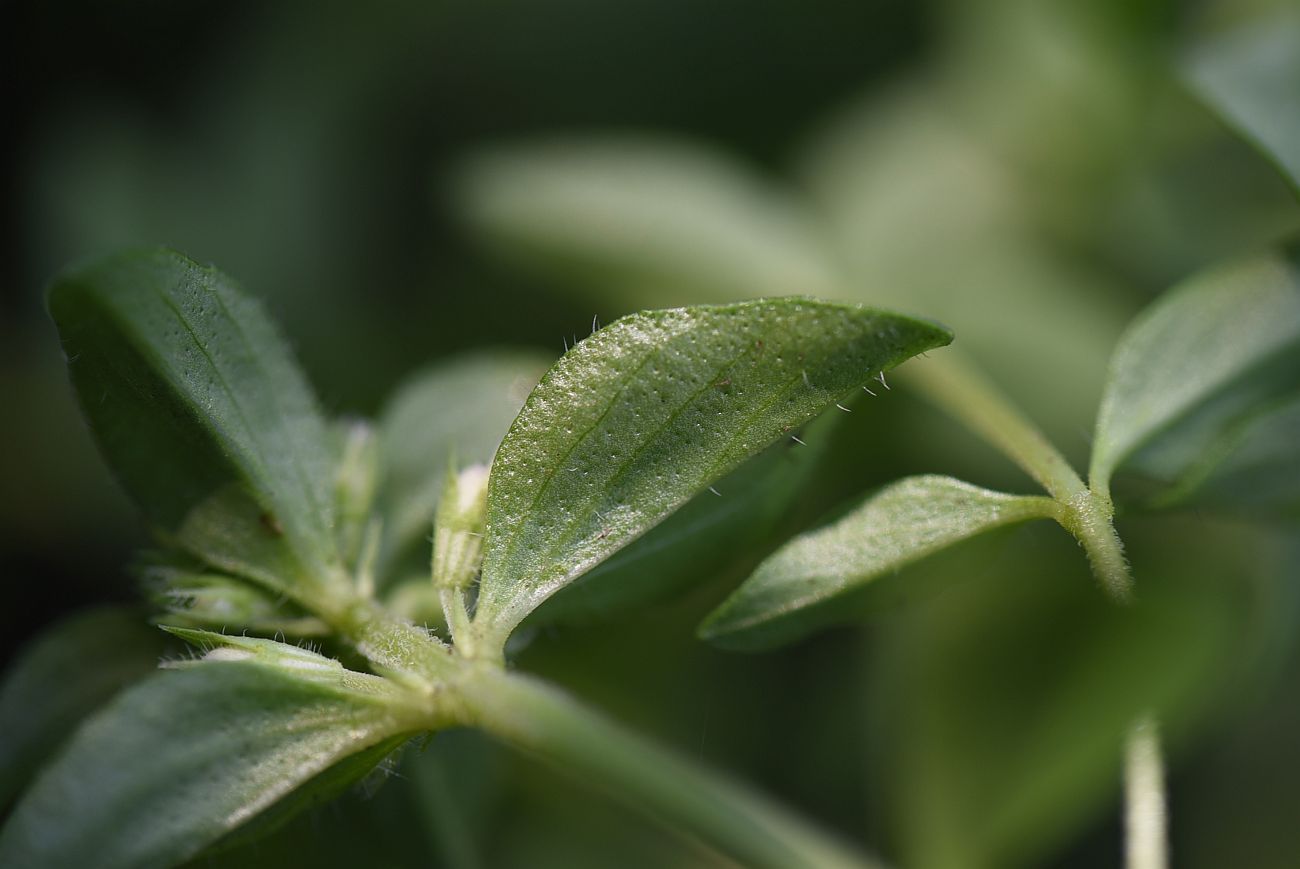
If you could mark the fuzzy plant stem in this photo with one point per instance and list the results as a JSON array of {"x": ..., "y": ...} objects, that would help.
[
  {"x": 1145, "y": 843},
  {"x": 546, "y": 722},
  {"x": 956, "y": 386}
]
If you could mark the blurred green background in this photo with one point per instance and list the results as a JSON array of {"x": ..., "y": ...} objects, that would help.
[{"x": 402, "y": 181}]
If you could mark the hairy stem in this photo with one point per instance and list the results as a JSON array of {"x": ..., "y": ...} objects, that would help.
[
  {"x": 1145, "y": 845},
  {"x": 956, "y": 385},
  {"x": 721, "y": 814}
]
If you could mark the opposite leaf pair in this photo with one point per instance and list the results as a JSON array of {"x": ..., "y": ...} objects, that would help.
[{"x": 1202, "y": 404}]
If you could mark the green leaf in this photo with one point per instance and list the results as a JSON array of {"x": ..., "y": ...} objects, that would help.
[
  {"x": 320, "y": 789},
  {"x": 707, "y": 537},
  {"x": 646, "y": 413},
  {"x": 457, "y": 409},
  {"x": 1248, "y": 76},
  {"x": 189, "y": 596},
  {"x": 641, "y": 214},
  {"x": 180, "y": 760},
  {"x": 67, "y": 673},
  {"x": 192, "y": 394},
  {"x": 1210, "y": 351},
  {"x": 1236, "y": 455},
  {"x": 1261, "y": 473},
  {"x": 791, "y": 592}
]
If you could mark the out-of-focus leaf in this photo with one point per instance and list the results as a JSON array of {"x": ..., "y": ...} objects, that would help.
[
  {"x": 1237, "y": 454},
  {"x": 1199, "y": 360},
  {"x": 1262, "y": 471},
  {"x": 646, "y": 413},
  {"x": 459, "y": 409},
  {"x": 899, "y": 524},
  {"x": 180, "y": 760},
  {"x": 709, "y": 534},
  {"x": 1248, "y": 77},
  {"x": 67, "y": 673},
  {"x": 922, "y": 212},
  {"x": 662, "y": 215},
  {"x": 191, "y": 392}
]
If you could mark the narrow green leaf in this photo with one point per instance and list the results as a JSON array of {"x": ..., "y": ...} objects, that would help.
[
  {"x": 191, "y": 393},
  {"x": 643, "y": 214},
  {"x": 457, "y": 409},
  {"x": 646, "y": 413},
  {"x": 1248, "y": 76},
  {"x": 1206, "y": 353},
  {"x": 190, "y": 596},
  {"x": 180, "y": 760},
  {"x": 67, "y": 673},
  {"x": 788, "y": 595}
]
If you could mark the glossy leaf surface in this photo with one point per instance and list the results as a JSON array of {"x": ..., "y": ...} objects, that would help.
[
  {"x": 646, "y": 413},
  {"x": 192, "y": 393},
  {"x": 180, "y": 760},
  {"x": 1206, "y": 354},
  {"x": 893, "y": 527}
]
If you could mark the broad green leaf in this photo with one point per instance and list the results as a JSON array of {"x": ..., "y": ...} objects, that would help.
[
  {"x": 192, "y": 394},
  {"x": 458, "y": 409},
  {"x": 646, "y": 413},
  {"x": 67, "y": 673},
  {"x": 1248, "y": 76},
  {"x": 1220, "y": 342},
  {"x": 790, "y": 593},
  {"x": 640, "y": 214},
  {"x": 706, "y": 537},
  {"x": 180, "y": 760}
]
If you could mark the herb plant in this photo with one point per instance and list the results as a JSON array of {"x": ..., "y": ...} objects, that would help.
[
  {"x": 351, "y": 591},
  {"x": 271, "y": 521},
  {"x": 1198, "y": 413}
]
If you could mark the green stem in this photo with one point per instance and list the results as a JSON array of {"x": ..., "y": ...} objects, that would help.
[
  {"x": 1145, "y": 845},
  {"x": 723, "y": 815},
  {"x": 957, "y": 386}
]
